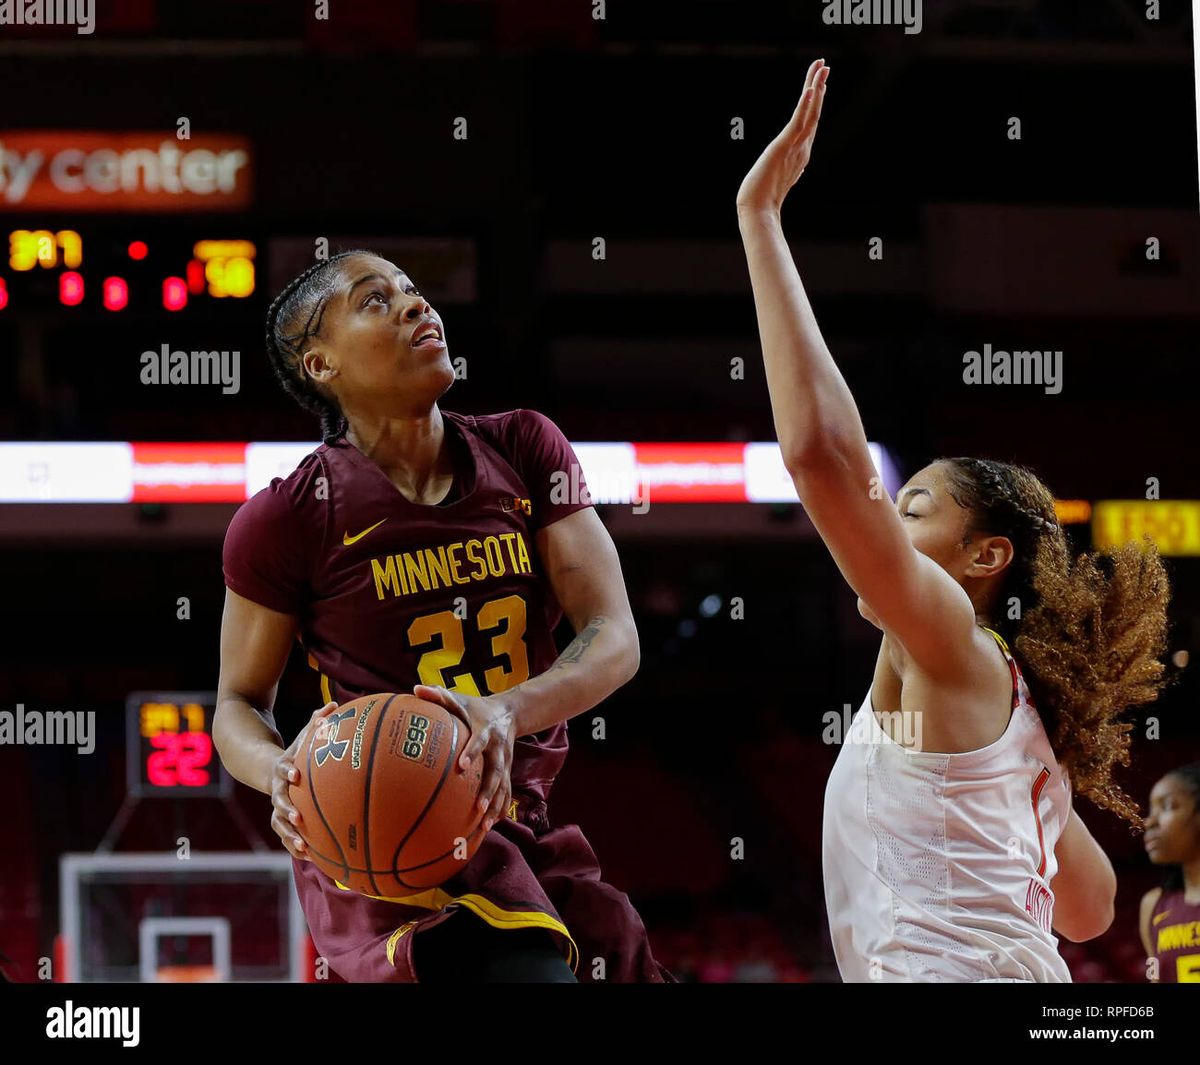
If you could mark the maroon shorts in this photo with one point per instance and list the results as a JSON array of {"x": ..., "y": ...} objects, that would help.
[{"x": 524, "y": 875}]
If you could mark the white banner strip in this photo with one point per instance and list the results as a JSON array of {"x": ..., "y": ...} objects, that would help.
[{"x": 615, "y": 472}]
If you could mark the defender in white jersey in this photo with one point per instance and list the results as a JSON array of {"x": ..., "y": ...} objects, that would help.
[
  {"x": 952, "y": 851},
  {"x": 938, "y": 866}
]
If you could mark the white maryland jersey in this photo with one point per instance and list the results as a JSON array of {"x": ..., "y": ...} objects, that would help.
[{"x": 937, "y": 867}]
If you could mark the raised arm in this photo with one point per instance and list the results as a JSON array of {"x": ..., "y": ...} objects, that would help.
[{"x": 819, "y": 429}]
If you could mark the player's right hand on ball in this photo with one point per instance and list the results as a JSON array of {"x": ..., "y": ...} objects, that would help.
[{"x": 285, "y": 818}]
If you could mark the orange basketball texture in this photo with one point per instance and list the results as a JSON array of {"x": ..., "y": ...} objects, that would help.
[{"x": 381, "y": 799}]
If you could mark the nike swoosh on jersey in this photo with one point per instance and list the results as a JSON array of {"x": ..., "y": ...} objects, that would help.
[
  {"x": 347, "y": 539},
  {"x": 1160, "y": 917}
]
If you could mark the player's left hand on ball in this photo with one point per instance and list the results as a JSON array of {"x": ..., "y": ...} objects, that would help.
[{"x": 493, "y": 732}]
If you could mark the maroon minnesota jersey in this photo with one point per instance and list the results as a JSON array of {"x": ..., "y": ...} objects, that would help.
[
  {"x": 1175, "y": 935},
  {"x": 391, "y": 593}
]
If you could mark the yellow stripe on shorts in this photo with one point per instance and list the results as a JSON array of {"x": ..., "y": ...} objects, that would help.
[{"x": 483, "y": 908}]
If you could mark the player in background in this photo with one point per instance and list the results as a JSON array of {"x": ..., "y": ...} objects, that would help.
[
  {"x": 1169, "y": 921},
  {"x": 421, "y": 550},
  {"x": 951, "y": 846}
]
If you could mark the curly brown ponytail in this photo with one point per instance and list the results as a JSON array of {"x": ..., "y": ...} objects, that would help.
[
  {"x": 1089, "y": 631},
  {"x": 303, "y": 300}
]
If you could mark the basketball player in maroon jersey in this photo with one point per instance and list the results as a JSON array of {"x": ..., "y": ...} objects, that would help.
[
  {"x": 425, "y": 551},
  {"x": 1170, "y": 915}
]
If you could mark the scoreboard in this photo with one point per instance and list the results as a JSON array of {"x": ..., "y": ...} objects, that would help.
[
  {"x": 141, "y": 265},
  {"x": 169, "y": 746},
  {"x": 105, "y": 269}
]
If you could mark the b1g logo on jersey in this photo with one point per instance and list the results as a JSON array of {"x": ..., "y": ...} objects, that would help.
[
  {"x": 510, "y": 503},
  {"x": 415, "y": 737}
]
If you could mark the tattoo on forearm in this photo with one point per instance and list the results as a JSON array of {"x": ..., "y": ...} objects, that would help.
[{"x": 575, "y": 649}]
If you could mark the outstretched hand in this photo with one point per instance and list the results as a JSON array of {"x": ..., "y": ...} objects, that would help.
[{"x": 785, "y": 158}]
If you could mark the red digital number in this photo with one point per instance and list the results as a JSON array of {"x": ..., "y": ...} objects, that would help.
[{"x": 180, "y": 759}]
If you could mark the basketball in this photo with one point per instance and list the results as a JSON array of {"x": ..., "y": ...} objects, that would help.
[{"x": 385, "y": 809}]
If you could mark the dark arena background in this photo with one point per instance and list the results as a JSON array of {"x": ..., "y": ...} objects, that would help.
[{"x": 558, "y": 177}]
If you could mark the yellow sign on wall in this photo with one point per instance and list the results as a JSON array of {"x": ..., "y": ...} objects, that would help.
[
  {"x": 1173, "y": 524},
  {"x": 1072, "y": 511}
]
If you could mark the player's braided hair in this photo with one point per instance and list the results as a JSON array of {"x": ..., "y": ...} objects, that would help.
[
  {"x": 292, "y": 319},
  {"x": 1190, "y": 776},
  {"x": 1088, "y": 631}
]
